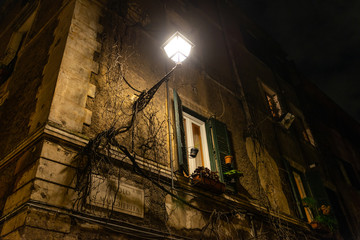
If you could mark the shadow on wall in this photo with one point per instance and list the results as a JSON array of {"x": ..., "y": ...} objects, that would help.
[{"x": 269, "y": 175}]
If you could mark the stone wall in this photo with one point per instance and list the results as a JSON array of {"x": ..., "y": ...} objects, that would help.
[
  {"x": 73, "y": 82},
  {"x": 93, "y": 59}
]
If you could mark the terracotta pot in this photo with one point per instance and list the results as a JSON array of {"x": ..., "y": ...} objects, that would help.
[
  {"x": 228, "y": 159},
  {"x": 314, "y": 225}
]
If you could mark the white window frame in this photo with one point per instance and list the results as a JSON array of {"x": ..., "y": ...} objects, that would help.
[{"x": 189, "y": 119}]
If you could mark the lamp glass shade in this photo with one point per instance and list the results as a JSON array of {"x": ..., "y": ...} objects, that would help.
[{"x": 177, "y": 47}]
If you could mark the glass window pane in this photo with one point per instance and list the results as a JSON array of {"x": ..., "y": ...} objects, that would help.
[
  {"x": 197, "y": 143},
  {"x": 302, "y": 193}
]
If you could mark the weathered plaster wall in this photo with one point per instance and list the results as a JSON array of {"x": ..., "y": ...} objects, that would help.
[
  {"x": 183, "y": 218},
  {"x": 269, "y": 175}
]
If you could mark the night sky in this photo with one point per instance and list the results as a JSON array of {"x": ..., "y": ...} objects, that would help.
[{"x": 322, "y": 38}]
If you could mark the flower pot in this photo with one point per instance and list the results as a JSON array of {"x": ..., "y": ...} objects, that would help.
[
  {"x": 228, "y": 159},
  {"x": 193, "y": 152},
  {"x": 314, "y": 225},
  {"x": 208, "y": 184}
]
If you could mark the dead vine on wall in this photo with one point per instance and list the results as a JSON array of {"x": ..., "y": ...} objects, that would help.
[{"x": 129, "y": 131}]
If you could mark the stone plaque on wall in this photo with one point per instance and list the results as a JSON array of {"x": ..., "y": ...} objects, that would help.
[{"x": 128, "y": 199}]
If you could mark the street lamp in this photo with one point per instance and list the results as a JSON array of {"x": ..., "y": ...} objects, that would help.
[{"x": 177, "y": 48}]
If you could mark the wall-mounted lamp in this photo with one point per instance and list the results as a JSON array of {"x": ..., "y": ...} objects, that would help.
[{"x": 178, "y": 47}]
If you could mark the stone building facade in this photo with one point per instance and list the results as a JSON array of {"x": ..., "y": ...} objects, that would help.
[
  {"x": 337, "y": 134},
  {"x": 93, "y": 147}
]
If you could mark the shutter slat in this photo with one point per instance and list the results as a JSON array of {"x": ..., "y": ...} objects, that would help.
[{"x": 219, "y": 146}]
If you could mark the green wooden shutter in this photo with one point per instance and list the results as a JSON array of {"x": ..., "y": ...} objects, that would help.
[
  {"x": 316, "y": 186},
  {"x": 180, "y": 135},
  {"x": 219, "y": 146}
]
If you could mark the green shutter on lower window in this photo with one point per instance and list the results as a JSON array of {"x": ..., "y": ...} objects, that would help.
[
  {"x": 219, "y": 146},
  {"x": 180, "y": 134},
  {"x": 316, "y": 186}
]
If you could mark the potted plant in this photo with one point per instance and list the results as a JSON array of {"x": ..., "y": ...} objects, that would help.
[
  {"x": 323, "y": 218},
  {"x": 232, "y": 174},
  {"x": 208, "y": 180}
]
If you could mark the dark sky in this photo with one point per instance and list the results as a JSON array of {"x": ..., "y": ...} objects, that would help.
[{"x": 322, "y": 37}]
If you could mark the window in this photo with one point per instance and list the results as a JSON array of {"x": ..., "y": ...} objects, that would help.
[
  {"x": 273, "y": 102},
  {"x": 302, "y": 194},
  {"x": 195, "y": 136},
  {"x": 306, "y": 132},
  {"x": 274, "y": 105},
  {"x": 210, "y": 136}
]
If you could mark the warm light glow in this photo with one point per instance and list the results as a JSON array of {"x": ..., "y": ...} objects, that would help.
[{"x": 178, "y": 47}]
